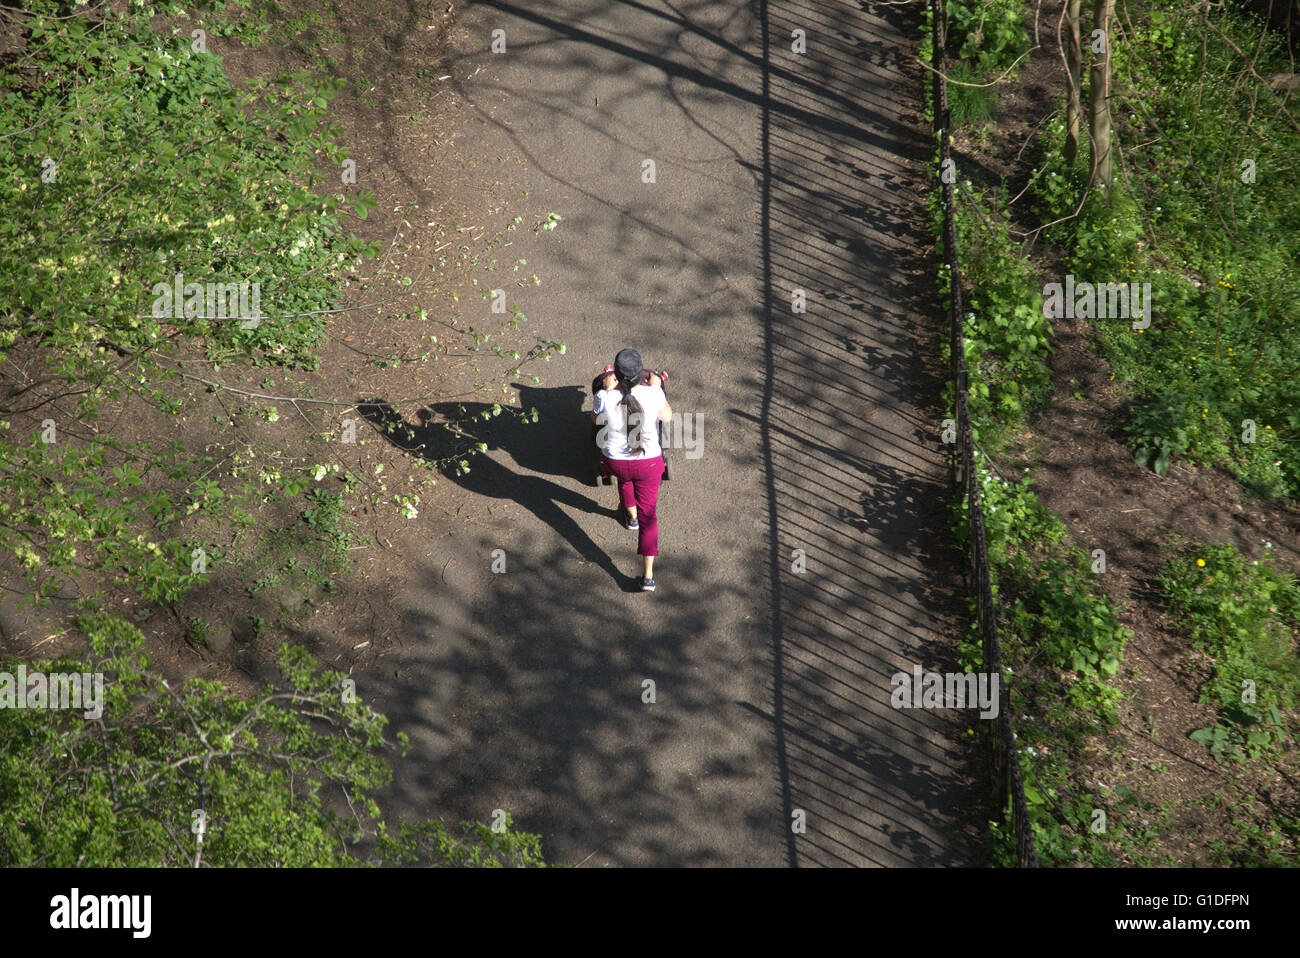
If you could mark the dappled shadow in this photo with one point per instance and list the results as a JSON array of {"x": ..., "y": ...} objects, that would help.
[
  {"x": 531, "y": 699},
  {"x": 850, "y": 421}
]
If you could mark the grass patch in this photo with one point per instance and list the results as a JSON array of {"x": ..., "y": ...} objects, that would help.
[
  {"x": 1244, "y": 615},
  {"x": 968, "y": 105}
]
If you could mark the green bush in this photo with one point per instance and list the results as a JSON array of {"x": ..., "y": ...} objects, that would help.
[
  {"x": 987, "y": 34},
  {"x": 1067, "y": 619},
  {"x": 178, "y": 775},
  {"x": 1007, "y": 335},
  {"x": 1061, "y": 642},
  {"x": 1259, "y": 465},
  {"x": 1245, "y": 616},
  {"x": 1156, "y": 428}
]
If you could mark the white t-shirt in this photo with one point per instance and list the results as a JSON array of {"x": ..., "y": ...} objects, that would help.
[{"x": 611, "y": 434}]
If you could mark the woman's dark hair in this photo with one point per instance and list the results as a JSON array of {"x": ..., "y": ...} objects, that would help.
[
  {"x": 635, "y": 442},
  {"x": 635, "y": 445}
]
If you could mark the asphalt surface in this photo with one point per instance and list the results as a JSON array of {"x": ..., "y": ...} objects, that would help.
[{"x": 773, "y": 172}]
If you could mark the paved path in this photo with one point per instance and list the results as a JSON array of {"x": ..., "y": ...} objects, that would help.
[{"x": 774, "y": 172}]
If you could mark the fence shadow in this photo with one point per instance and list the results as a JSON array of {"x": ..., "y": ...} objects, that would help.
[{"x": 850, "y": 423}]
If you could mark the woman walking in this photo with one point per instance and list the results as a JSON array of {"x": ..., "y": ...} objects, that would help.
[{"x": 629, "y": 408}]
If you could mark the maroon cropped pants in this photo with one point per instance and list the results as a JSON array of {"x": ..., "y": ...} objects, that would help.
[{"x": 638, "y": 485}]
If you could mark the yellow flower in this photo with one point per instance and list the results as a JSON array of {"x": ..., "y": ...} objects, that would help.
[{"x": 1200, "y": 562}]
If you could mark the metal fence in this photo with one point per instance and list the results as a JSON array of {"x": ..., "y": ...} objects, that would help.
[{"x": 1005, "y": 761}]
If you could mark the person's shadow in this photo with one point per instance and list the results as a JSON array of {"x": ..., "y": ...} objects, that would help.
[{"x": 559, "y": 443}]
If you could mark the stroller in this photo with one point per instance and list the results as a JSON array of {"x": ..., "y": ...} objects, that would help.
[{"x": 603, "y": 478}]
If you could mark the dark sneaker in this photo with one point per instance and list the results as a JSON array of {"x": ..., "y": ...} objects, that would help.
[
  {"x": 647, "y": 585},
  {"x": 630, "y": 522}
]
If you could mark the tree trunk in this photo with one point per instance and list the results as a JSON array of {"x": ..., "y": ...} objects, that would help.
[
  {"x": 1073, "y": 82},
  {"x": 1099, "y": 95}
]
